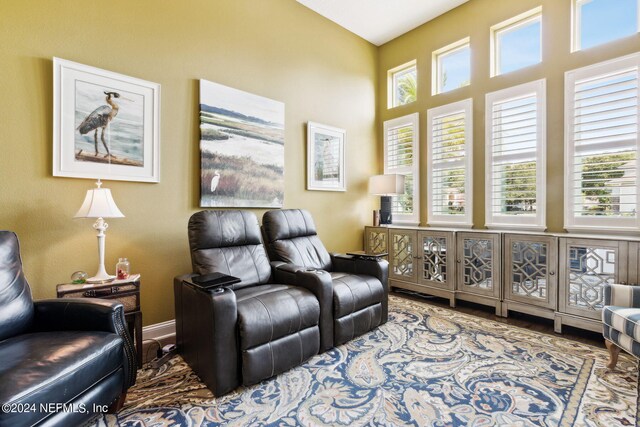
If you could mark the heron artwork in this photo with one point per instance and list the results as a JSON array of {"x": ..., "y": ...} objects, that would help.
[{"x": 100, "y": 119}]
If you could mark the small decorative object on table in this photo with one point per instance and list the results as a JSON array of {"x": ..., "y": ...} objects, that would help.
[
  {"x": 79, "y": 277},
  {"x": 376, "y": 218},
  {"x": 122, "y": 269}
]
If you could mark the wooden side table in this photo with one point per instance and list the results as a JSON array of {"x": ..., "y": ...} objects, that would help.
[{"x": 125, "y": 291}]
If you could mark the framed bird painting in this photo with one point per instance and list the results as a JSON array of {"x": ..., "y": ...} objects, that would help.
[{"x": 106, "y": 125}]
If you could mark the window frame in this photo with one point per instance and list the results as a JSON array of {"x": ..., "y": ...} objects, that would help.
[
  {"x": 512, "y": 24},
  {"x": 464, "y": 221},
  {"x": 596, "y": 224},
  {"x": 414, "y": 121},
  {"x": 530, "y": 222},
  {"x": 391, "y": 82},
  {"x": 576, "y": 26},
  {"x": 436, "y": 65}
]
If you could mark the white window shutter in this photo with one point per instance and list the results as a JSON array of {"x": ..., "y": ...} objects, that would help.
[
  {"x": 450, "y": 142},
  {"x": 401, "y": 157},
  {"x": 515, "y": 157},
  {"x": 601, "y": 151}
]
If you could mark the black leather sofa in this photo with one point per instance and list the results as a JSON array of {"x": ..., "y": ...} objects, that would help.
[
  {"x": 59, "y": 359},
  {"x": 251, "y": 330},
  {"x": 359, "y": 288}
]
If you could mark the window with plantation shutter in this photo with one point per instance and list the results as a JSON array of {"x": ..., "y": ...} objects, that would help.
[
  {"x": 516, "y": 156},
  {"x": 401, "y": 157},
  {"x": 450, "y": 132},
  {"x": 601, "y": 151}
]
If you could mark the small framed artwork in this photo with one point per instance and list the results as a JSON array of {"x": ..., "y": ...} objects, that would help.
[
  {"x": 325, "y": 157},
  {"x": 105, "y": 125}
]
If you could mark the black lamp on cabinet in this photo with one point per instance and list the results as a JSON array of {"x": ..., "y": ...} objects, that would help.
[{"x": 386, "y": 186}]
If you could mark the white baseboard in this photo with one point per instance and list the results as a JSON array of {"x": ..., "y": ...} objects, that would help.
[{"x": 159, "y": 330}]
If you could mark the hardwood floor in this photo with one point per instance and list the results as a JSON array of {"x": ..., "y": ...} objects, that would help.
[{"x": 532, "y": 323}]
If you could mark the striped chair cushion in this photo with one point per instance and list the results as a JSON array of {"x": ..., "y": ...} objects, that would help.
[
  {"x": 623, "y": 319},
  {"x": 623, "y": 341},
  {"x": 622, "y": 295}
]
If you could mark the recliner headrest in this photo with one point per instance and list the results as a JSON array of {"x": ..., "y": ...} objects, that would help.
[
  {"x": 287, "y": 224},
  {"x": 219, "y": 229}
]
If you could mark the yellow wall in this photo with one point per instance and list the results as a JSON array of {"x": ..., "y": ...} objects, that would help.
[
  {"x": 277, "y": 49},
  {"x": 474, "y": 19}
]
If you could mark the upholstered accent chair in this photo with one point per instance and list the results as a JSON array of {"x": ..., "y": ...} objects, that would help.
[
  {"x": 73, "y": 352},
  {"x": 621, "y": 320},
  {"x": 358, "y": 301},
  {"x": 251, "y": 330}
]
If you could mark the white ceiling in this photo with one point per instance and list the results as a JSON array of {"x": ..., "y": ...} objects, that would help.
[{"x": 379, "y": 21}]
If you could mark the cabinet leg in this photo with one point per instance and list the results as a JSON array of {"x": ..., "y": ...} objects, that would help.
[
  {"x": 614, "y": 351},
  {"x": 499, "y": 309},
  {"x": 452, "y": 302},
  {"x": 505, "y": 310},
  {"x": 557, "y": 325}
]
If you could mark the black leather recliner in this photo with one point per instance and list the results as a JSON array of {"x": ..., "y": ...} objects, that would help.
[
  {"x": 359, "y": 296},
  {"x": 71, "y": 352},
  {"x": 249, "y": 331}
]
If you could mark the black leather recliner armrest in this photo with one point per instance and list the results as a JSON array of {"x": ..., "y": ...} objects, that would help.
[
  {"x": 319, "y": 283},
  {"x": 77, "y": 314},
  {"x": 206, "y": 332},
  {"x": 378, "y": 268},
  {"x": 87, "y": 314}
]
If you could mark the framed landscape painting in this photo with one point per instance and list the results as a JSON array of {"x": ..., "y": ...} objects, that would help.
[
  {"x": 241, "y": 148},
  {"x": 106, "y": 125},
  {"x": 325, "y": 157}
]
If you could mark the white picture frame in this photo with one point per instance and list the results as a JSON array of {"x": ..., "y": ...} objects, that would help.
[
  {"x": 326, "y": 157},
  {"x": 105, "y": 126}
]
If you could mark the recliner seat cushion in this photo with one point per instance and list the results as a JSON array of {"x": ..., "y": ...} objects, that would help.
[
  {"x": 56, "y": 367},
  {"x": 353, "y": 292},
  {"x": 623, "y": 319},
  {"x": 269, "y": 312}
]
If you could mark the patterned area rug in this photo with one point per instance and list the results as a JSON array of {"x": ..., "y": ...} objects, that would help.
[{"x": 428, "y": 366}]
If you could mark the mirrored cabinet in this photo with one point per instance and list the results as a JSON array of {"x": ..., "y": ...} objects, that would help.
[
  {"x": 587, "y": 264},
  {"x": 478, "y": 259},
  {"x": 530, "y": 275},
  {"x": 555, "y": 276}
]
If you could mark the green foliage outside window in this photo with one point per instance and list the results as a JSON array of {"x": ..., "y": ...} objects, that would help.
[{"x": 597, "y": 189}]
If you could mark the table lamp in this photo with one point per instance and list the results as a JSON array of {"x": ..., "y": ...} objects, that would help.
[
  {"x": 99, "y": 204},
  {"x": 386, "y": 186}
]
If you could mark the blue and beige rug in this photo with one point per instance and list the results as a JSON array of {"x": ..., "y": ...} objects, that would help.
[{"x": 428, "y": 366}]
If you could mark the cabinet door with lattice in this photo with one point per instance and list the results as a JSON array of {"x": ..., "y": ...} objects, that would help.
[
  {"x": 478, "y": 259},
  {"x": 436, "y": 258},
  {"x": 585, "y": 266},
  {"x": 402, "y": 255},
  {"x": 376, "y": 240},
  {"x": 530, "y": 264}
]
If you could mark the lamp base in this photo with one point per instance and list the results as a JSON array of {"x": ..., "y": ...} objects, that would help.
[
  {"x": 385, "y": 210},
  {"x": 101, "y": 279}
]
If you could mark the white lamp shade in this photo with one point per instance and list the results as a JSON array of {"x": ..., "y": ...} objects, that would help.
[
  {"x": 386, "y": 185},
  {"x": 99, "y": 204}
]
